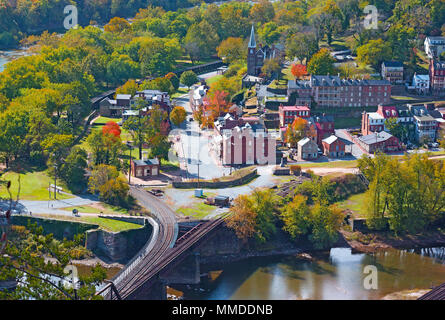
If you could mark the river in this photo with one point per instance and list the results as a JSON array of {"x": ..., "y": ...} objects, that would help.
[
  {"x": 9, "y": 55},
  {"x": 338, "y": 274}
]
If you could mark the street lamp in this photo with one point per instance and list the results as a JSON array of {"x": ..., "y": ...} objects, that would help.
[{"x": 129, "y": 167}]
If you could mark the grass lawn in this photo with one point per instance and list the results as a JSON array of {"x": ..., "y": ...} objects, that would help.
[
  {"x": 102, "y": 208},
  {"x": 355, "y": 203},
  {"x": 33, "y": 185},
  {"x": 105, "y": 224},
  {"x": 111, "y": 225},
  {"x": 197, "y": 210},
  {"x": 351, "y": 122},
  {"x": 213, "y": 79},
  {"x": 330, "y": 164},
  {"x": 169, "y": 166},
  {"x": 180, "y": 92}
]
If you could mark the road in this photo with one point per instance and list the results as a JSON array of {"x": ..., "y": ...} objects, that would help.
[{"x": 193, "y": 147}]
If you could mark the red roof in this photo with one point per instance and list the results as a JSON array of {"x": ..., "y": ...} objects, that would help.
[{"x": 295, "y": 108}]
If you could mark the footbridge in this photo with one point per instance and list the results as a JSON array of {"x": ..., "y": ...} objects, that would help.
[{"x": 159, "y": 261}]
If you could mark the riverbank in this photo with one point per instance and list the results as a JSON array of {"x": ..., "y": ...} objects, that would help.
[{"x": 381, "y": 241}]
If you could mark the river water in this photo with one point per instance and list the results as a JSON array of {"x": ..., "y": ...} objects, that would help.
[
  {"x": 338, "y": 274},
  {"x": 7, "y": 56}
]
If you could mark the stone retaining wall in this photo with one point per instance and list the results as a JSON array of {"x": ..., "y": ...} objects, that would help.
[{"x": 217, "y": 184}]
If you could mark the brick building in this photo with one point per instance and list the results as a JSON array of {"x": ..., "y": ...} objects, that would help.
[
  {"x": 289, "y": 113},
  {"x": 144, "y": 168},
  {"x": 334, "y": 147},
  {"x": 392, "y": 71},
  {"x": 331, "y": 91},
  {"x": 380, "y": 142},
  {"x": 437, "y": 77}
]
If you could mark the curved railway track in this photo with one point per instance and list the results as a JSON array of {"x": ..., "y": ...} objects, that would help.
[{"x": 159, "y": 252}]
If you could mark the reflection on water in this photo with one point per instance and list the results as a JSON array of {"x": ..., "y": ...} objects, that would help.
[{"x": 335, "y": 275}]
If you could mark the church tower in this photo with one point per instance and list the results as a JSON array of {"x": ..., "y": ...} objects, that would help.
[{"x": 251, "y": 54}]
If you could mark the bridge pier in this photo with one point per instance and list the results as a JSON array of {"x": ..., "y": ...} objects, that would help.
[
  {"x": 156, "y": 291},
  {"x": 187, "y": 272}
]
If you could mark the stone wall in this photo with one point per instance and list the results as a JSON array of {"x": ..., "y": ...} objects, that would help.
[
  {"x": 118, "y": 246},
  {"x": 59, "y": 228},
  {"x": 217, "y": 184}
]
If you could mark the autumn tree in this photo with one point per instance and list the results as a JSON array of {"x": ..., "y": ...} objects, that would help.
[
  {"x": 231, "y": 49},
  {"x": 129, "y": 87},
  {"x": 301, "y": 46},
  {"x": 243, "y": 218},
  {"x": 216, "y": 103},
  {"x": 178, "y": 115},
  {"x": 272, "y": 67},
  {"x": 117, "y": 25},
  {"x": 299, "y": 129},
  {"x": 296, "y": 217},
  {"x": 298, "y": 70}
]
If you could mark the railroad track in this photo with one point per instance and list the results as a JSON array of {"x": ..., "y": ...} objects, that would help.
[{"x": 155, "y": 256}]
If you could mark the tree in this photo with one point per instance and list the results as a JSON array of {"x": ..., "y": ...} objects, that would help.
[
  {"x": 396, "y": 128},
  {"x": 174, "y": 80},
  {"x": 321, "y": 63},
  {"x": 262, "y": 12},
  {"x": 296, "y": 217},
  {"x": 325, "y": 223},
  {"x": 216, "y": 103},
  {"x": 243, "y": 218},
  {"x": 231, "y": 49},
  {"x": 298, "y": 70},
  {"x": 129, "y": 87},
  {"x": 115, "y": 191},
  {"x": 25, "y": 260},
  {"x": 201, "y": 40},
  {"x": 301, "y": 46},
  {"x": 57, "y": 147},
  {"x": 374, "y": 52},
  {"x": 117, "y": 25},
  {"x": 270, "y": 33},
  {"x": 189, "y": 78},
  {"x": 158, "y": 55},
  {"x": 272, "y": 67},
  {"x": 178, "y": 115},
  {"x": 74, "y": 169},
  {"x": 137, "y": 126},
  {"x": 100, "y": 175},
  {"x": 298, "y": 130}
]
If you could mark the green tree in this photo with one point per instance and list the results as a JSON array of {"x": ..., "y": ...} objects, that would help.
[
  {"x": 325, "y": 223},
  {"x": 138, "y": 126},
  {"x": 74, "y": 169},
  {"x": 321, "y": 63},
  {"x": 374, "y": 52},
  {"x": 296, "y": 217},
  {"x": 189, "y": 78}
]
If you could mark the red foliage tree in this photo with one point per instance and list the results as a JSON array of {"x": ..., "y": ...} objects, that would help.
[
  {"x": 111, "y": 128},
  {"x": 298, "y": 70}
]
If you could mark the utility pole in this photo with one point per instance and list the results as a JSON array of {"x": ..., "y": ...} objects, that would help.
[
  {"x": 199, "y": 147},
  {"x": 129, "y": 167},
  {"x": 55, "y": 182}
]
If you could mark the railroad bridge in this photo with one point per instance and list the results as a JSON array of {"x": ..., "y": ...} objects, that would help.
[{"x": 170, "y": 256}]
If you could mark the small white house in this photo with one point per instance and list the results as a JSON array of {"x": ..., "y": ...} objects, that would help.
[
  {"x": 421, "y": 83},
  {"x": 434, "y": 46}
]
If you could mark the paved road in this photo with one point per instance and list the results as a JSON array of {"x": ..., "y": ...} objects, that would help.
[{"x": 193, "y": 148}]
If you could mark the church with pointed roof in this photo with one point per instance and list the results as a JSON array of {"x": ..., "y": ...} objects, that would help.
[{"x": 256, "y": 56}]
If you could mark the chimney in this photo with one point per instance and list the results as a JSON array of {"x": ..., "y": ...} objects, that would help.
[{"x": 144, "y": 155}]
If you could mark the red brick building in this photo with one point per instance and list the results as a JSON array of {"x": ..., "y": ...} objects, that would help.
[
  {"x": 437, "y": 77},
  {"x": 325, "y": 127},
  {"x": 334, "y": 147},
  {"x": 289, "y": 113},
  {"x": 144, "y": 168}
]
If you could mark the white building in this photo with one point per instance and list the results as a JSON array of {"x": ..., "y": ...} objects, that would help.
[
  {"x": 434, "y": 46},
  {"x": 421, "y": 83}
]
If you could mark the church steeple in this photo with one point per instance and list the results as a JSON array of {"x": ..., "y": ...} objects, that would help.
[{"x": 252, "y": 42}]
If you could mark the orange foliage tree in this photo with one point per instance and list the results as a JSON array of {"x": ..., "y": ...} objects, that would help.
[
  {"x": 299, "y": 129},
  {"x": 298, "y": 70},
  {"x": 215, "y": 103},
  {"x": 243, "y": 218}
]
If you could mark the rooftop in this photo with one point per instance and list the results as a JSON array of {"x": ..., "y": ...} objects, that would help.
[
  {"x": 393, "y": 64},
  {"x": 375, "y": 137},
  {"x": 146, "y": 162},
  {"x": 295, "y": 108},
  {"x": 123, "y": 96}
]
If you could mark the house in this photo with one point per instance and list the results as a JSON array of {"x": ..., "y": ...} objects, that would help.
[
  {"x": 379, "y": 142},
  {"x": 289, "y": 113},
  {"x": 375, "y": 121},
  {"x": 155, "y": 97},
  {"x": 425, "y": 124},
  {"x": 196, "y": 96},
  {"x": 144, "y": 168},
  {"x": 331, "y": 91},
  {"x": 421, "y": 83},
  {"x": 109, "y": 108},
  {"x": 307, "y": 149},
  {"x": 324, "y": 126},
  {"x": 392, "y": 71},
  {"x": 334, "y": 147},
  {"x": 372, "y": 122},
  {"x": 437, "y": 77},
  {"x": 434, "y": 46},
  {"x": 123, "y": 100}
]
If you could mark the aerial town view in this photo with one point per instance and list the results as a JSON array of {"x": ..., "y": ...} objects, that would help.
[{"x": 222, "y": 150}]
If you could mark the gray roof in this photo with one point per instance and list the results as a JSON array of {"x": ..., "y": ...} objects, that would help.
[
  {"x": 123, "y": 96},
  {"x": 335, "y": 81},
  {"x": 146, "y": 162},
  {"x": 252, "y": 42},
  {"x": 375, "y": 137},
  {"x": 393, "y": 64}
]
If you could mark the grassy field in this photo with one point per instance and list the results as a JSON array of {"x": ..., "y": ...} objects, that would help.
[
  {"x": 330, "y": 164},
  {"x": 104, "y": 223},
  {"x": 104, "y": 208},
  {"x": 180, "y": 92},
  {"x": 33, "y": 185},
  {"x": 355, "y": 203},
  {"x": 197, "y": 210},
  {"x": 213, "y": 79},
  {"x": 343, "y": 123}
]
